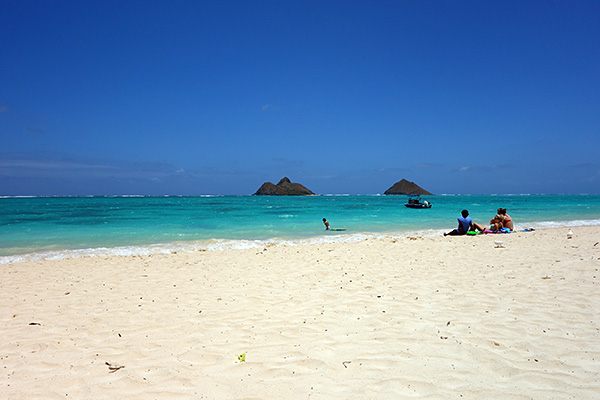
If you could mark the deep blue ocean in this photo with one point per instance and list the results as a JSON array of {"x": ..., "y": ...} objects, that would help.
[{"x": 55, "y": 227}]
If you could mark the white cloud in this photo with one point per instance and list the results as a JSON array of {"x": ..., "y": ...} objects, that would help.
[
  {"x": 428, "y": 165},
  {"x": 44, "y": 165},
  {"x": 49, "y": 165}
]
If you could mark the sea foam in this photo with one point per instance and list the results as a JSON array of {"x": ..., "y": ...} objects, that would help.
[{"x": 224, "y": 245}]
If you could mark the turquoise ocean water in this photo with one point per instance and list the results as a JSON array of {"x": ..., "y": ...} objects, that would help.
[{"x": 43, "y": 228}]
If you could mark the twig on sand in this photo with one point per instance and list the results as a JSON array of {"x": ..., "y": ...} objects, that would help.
[{"x": 113, "y": 368}]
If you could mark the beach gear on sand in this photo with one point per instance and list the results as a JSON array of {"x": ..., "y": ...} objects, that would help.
[{"x": 501, "y": 230}]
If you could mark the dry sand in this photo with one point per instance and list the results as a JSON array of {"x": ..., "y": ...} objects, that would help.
[{"x": 428, "y": 318}]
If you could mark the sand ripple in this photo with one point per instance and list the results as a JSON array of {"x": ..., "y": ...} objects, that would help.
[{"x": 425, "y": 318}]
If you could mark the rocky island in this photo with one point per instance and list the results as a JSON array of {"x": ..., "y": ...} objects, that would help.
[
  {"x": 284, "y": 188},
  {"x": 406, "y": 187}
]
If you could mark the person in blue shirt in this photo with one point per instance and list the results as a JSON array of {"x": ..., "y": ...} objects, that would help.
[{"x": 465, "y": 224}]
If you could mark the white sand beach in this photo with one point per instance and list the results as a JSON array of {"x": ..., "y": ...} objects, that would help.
[{"x": 427, "y": 318}]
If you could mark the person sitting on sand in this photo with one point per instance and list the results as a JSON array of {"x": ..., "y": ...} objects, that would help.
[
  {"x": 501, "y": 220},
  {"x": 496, "y": 222},
  {"x": 507, "y": 221},
  {"x": 326, "y": 224},
  {"x": 465, "y": 224},
  {"x": 495, "y": 225}
]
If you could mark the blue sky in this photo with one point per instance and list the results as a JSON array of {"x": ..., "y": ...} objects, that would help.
[{"x": 217, "y": 97}]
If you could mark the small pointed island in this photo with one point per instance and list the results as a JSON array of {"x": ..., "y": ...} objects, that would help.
[
  {"x": 284, "y": 188},
  {"x": 405, "y": 187}
]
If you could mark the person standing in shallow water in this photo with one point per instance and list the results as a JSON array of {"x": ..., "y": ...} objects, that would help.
[
  {"x": 326, "y": 224},
  {"x": 465, "y": 224}
]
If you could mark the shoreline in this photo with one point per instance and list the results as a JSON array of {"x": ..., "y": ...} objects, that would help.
[
  {"x": 230, "y": 244},
  {"x": 382, "y": 318}
]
